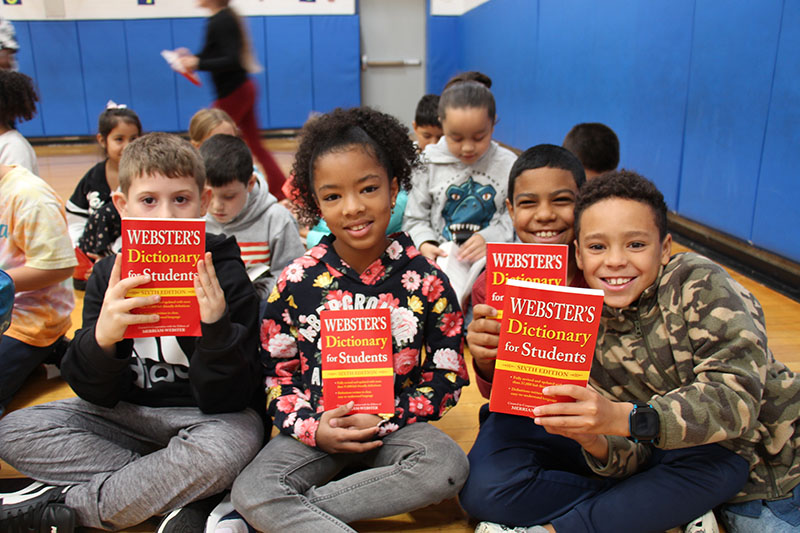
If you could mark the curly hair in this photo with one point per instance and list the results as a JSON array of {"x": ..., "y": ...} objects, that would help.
[
  {"x": 627, "y": 185},
  {"x": 382, "y": 135},
  {"x": 17, "y": 97}
]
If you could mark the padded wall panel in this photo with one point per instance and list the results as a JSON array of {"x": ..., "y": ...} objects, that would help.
[
  {"x": 58, "y": 75},
  {"x": 444, "y": 52},
  {"x": 153, "y": 92},
  {"x": 511, "y": 28},
  {"x": 25, "y": 61},
  {"x": 336, "y": 62},
  {"x": 255, "y": 27},
  {"x": 104, "y": 60},
  {"x": 190, "y": 33},
  {"x": 289, "y": 81},
  {"x": 777, "y": 216},
  {"x": 733, "y": 58}
]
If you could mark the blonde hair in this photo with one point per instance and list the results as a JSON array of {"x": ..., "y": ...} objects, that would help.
[
  {"x": 160, "y": 153},
  {"x": 204, "y": 121}
]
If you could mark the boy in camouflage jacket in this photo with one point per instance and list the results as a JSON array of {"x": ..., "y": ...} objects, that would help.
[{"x": 687, "y": 408}]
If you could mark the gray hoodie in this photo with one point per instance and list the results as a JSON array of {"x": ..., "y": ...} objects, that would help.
[
  {"x": 267, "y": 235},
  {"x": 448, "y": 196}
]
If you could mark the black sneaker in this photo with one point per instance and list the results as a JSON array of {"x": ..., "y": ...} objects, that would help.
[
  {"x": 38, "y": 508},
  {"x": 190, "y": 518}
]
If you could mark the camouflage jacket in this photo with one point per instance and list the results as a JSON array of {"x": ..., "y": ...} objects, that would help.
[{"x": 695, "y": 347}]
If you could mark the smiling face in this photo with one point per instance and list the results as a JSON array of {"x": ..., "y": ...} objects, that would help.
[
  {"x": 619, "y": 249},
  {"x": 156, "y": 196},
  {"x": 120, "y": 136},
  {"x": 355, "y": 198},
  {"x": 468, "y": 132},
  {"x": 542, "y": 211}
]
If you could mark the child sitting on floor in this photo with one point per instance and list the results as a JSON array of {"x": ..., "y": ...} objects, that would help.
[
  {"x": 349, "y": 168},
  {"x": 687, "y": 409}
]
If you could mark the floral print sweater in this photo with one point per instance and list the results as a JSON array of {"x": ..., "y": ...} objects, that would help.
[{"x": 426, "y": 327}]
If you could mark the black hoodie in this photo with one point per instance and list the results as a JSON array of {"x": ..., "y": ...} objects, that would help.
[{"x": 217, "y": 372}]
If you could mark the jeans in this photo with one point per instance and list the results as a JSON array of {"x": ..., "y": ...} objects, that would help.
[
  {"x": 523, "y": 476},
  {"x": 759, "y": 516},
  {"x": 290, "y": 486},
  {"x": 17, "y": 361}
]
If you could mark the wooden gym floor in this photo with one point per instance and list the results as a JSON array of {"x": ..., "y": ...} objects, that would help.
[{"x": 62, "y": 167}]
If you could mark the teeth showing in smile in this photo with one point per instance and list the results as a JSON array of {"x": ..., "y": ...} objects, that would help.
[
  {"x": 546, "y": 234},
  {"x": 617, "y": 281},
  {"x": 359, "y": 227}
]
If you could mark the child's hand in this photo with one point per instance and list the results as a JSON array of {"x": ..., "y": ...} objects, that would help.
[
  {"x": 210, "y": 296},
  {"x": 431, "y": 251},
  {"x": 332, "y": 437},
  {"x": 115, "y": 315},
  {"x": 590, "y": 416},
  {"x": 473, "y": 248},
  {"x": 356, "y": 421},
  {"x": 483, "y": 336},
  {"x": 188, "y": 61}
]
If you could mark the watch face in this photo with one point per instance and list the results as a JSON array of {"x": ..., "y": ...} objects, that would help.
[{"x": 644, "y": 423}]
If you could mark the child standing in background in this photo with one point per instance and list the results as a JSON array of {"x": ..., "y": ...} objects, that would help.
[
  {"x": 349, "y": 168},
  {"x": 460, "y": 195},
  {"x": 242, "y": 207},
  {"x": 596, "y": 145},
  {"x": 228, "y": 55},
  {"x": 17, "y": 101},
  {"x": 94, "y": 224}
]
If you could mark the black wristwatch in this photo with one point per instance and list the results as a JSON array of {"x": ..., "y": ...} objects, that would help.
[{"x": 643, "y": 423}]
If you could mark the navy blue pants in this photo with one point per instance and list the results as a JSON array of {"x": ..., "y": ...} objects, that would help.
[
  {"x": 520, "y": 475},
  {"x": 17, "y": 361}
]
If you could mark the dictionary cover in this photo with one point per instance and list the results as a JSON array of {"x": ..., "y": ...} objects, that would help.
[
  {"x": 168, "y": 250},
  {"x": 357, "y": 362},
  {"x": 538, "y": 263},
  {"x": 547, "y": 337}
]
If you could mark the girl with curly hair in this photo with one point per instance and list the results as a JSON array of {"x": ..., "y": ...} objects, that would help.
[
  {"x": 349, "y": 168},
  {"x": 17, "y": 102}
]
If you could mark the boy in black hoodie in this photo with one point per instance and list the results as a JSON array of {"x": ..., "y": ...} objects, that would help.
[{"x": 160, "y": 422}]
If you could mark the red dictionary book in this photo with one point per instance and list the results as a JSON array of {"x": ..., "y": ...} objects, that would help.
[
  {"x": 357, "y": 362},
  {"x": 538, "y": 263},
  {"x": 167, "y": 249},
  {"x": 547, "y": 337}
]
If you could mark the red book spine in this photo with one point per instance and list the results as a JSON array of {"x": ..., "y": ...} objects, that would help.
[
  {"x": 538, "y": 263},
  {"x": 547, "y": 337},
  {"x": 168, "y": 251},
  {"x": 357, "y": 362}
]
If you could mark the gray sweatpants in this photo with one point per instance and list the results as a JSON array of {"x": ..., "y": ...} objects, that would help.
[{"x": 129, "y": 463}]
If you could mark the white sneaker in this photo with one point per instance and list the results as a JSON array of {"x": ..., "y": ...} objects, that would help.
[
  {"x": 491, "y": 527},
  {"x": 704, "y": 524}
]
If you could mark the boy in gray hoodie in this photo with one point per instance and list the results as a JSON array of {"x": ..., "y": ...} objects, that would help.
[{"x": 242, "y": 206}]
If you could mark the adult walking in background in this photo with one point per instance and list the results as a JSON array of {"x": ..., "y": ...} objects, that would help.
[{"x": 227, "y": 54}]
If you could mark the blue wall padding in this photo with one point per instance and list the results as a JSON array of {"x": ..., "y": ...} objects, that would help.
[
  {"x": 704, "y": 96},
  {"x": 59, "y": 77},
  {"x": 776, "y": 219},
  {"x": 35, "y": 126},
  {"x": 255, "y": 27},
  {"x": 290, "y": 95},
  {"x": 444, "y": 55},
  {"x": 335, "y": 49},
  {"x": 153, "y": 84},
  {"x": 101, "y": 83},
  {"x": 312, "y": 63},
  {"x": 733, "y": 62}
]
